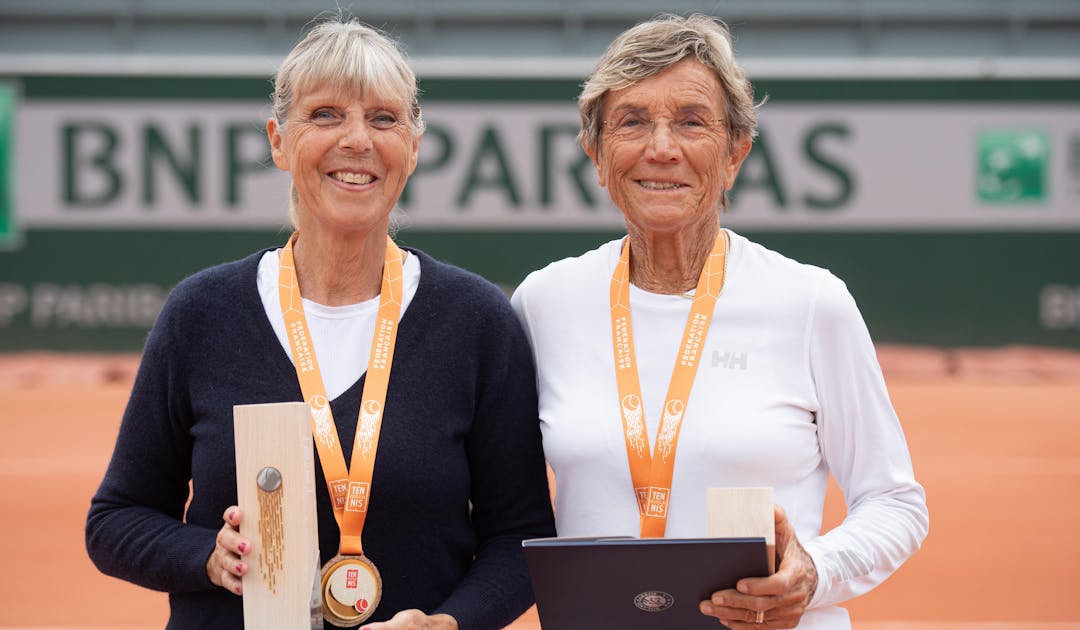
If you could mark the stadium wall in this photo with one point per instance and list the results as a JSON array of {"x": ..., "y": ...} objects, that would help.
[{"x": 950, "y": 205}]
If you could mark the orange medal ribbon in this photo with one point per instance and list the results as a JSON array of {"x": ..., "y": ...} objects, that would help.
[
  {"x": 651, "y": 475},
  {"x": 350, "y": 488}
]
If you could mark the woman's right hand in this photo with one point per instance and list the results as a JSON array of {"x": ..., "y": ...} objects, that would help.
[{"x": 226, "y": 566}]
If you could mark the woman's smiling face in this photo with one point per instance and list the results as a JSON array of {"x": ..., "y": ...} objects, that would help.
[
  {"x": 664, "y": 154},
  {"x": 350, "y": 156}
]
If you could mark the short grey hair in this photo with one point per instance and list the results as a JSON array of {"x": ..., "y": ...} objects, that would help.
[
  {"x": 344, "y": 53},
  {"x": 651, "y": 47}
]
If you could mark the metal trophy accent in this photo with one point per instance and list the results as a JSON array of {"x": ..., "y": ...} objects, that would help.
[{"x": 275, "y": 483}]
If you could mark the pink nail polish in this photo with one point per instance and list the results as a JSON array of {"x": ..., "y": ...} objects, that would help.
[
  {"x": 242, "y": 547},
  {"x": 232, "y": 515},
  {"x": 240, "y": 567}
]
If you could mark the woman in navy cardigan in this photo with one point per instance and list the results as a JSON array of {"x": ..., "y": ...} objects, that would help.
[{"x": 459, "y": 480}]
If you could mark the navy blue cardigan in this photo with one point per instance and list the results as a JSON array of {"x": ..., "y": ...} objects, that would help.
[{"x": 459, "y": 478}]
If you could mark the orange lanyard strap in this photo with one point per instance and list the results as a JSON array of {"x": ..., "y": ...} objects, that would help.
[
  {"x": 651, "y": 475},
  {"x": 350, "y": 488}
]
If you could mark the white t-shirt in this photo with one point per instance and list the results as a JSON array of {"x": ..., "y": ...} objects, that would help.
[
  {"x": 341, "y": 335},
  {"x": 788, "y": 389}
]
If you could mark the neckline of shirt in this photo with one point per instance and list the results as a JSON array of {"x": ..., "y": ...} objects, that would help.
[{"x": 641, "y": 297}]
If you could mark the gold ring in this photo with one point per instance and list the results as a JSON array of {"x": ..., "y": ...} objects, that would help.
[{"x": 759, "y": 616}]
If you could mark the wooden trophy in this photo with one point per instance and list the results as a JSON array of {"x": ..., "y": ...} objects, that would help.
[
  {"x": 275, "y": 483},
  {"x": 743, "y": 513}
]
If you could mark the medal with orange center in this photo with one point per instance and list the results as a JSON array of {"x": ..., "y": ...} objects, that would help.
[{"x": 351, "y": 589}]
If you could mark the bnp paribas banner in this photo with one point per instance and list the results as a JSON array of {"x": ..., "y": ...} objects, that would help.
[
  {"x": 815, "y": 166},
  {"x": 952, "y": 209}
]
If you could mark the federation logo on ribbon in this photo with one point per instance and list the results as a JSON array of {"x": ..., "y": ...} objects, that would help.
[
  {"x": 357, "y": 500},
  {"x": 370, "y": 413},
  {"x": 338, "y": 489},
  {"x": 324, "y": 421},
  {"x": 654, "y": 601},
  {"x": 634, "y": 420},
  {"x": 658, "y": 502},
  {"x": 669, "y": 428}
]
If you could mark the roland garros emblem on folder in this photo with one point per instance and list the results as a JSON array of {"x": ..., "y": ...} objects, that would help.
[{"x": 654, "y": 601}]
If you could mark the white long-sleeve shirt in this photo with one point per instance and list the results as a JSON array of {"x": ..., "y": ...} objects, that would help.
[{"x": 788, "y": 390}]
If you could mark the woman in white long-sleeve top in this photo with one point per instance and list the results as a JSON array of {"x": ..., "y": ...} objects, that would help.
[{"x": 746, "y": 368}]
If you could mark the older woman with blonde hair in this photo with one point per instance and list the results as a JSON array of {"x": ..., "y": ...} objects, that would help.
[
  {"x": 749, "y": 368},
  {"x": 447, "y": 384}
]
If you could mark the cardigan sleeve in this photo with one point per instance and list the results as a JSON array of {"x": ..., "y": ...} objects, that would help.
[
  {"x": 509, "y": 489},
  {"x": 866, "y": 451},
  {"x": 135, "y": 529}
]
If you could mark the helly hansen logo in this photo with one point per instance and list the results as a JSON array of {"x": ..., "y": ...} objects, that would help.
[{"x": 729, "y": 360}]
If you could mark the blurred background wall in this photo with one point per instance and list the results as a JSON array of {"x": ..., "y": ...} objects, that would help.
[{"x": 928, "y": 152}]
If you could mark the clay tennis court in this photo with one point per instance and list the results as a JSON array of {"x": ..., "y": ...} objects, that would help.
[{"x": 994, "y": 434}]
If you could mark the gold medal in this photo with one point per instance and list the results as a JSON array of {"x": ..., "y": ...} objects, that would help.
[{"x": 351, "y": 589}]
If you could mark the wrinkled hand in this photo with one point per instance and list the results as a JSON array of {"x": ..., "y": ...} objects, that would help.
[
  {"x": 226, "y": 566},
  {"x": 782, "y": 597},
  {"x": 414, "y": 620}
]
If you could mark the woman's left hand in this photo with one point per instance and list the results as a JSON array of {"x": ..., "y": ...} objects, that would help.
[
  {"x": 413, "y": 619},
  {"x": 781, "y": 598}
]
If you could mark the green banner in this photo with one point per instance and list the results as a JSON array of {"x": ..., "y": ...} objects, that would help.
[
  {"x": 8, "y": 96},
  {"x": 100, "y": 290}
]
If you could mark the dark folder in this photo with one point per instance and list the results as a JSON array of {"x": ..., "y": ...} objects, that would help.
[{"x": 636, "y": 583}]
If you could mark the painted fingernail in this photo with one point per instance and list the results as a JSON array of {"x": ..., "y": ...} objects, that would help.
[
  {"x": 242, "y": 547},
  {"x": 232, "y": 515},
  {"x": 240, "y": 567}
]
